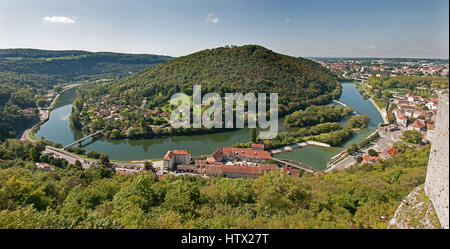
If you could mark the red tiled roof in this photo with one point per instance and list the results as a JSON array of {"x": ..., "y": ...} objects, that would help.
[
  {"x": 418, "y": 124},
  {"x": 213, "y": 169},
  {"x": 250, "y": 153},
  {"x": 409, "y": 107},
  {"x": 268, "y": 166},
  {"x": 171, "y": 153},
  {"x": 168, "y": 155},
  {"x": 372, "y": 158},
  {"x": 181, "y": 152},
  {"x": 42, "y": 165},
  {"x": 290, "y": 171},
  {"x": 392, "y": 151},
  {"x": 254, "y": 170}
]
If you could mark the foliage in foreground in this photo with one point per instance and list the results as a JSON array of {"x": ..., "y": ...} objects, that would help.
[{"x": 72, "y": 198}]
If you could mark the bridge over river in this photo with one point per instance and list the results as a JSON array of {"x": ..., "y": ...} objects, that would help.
[{"x": 84, "y": 138}]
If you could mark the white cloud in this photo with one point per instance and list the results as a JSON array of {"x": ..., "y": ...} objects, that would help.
[
  {"x": 212, "y": 18},
  {"x": 58, "y": 19},
  {"x": 289, "y": 21}
]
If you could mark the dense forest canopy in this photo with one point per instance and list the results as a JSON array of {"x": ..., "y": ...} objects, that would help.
[
  {"x": 317, "y": 114},
  {"x": 69, "y": 197},
  {"x": 45, "y": 68},
  {"x": 15, "y": 97},
  {"x": 26, "y": 75},
  {"x": 251, "y": 68}
]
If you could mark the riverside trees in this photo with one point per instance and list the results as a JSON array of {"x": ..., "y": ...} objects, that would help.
[{"x": 317, "y": 114}]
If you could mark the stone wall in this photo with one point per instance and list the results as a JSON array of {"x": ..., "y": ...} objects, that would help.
[{"x": 437, "y": 180}]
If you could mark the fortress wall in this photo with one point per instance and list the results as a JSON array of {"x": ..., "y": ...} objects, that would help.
[{"x": 437, "y": 179}]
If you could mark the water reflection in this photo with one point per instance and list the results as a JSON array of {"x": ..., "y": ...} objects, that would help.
[{"x": 58, "y": 129}]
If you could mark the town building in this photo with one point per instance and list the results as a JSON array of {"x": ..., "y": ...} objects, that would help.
[
  {"x": 28, "y": 111},
  {"x": 176, "y": 157},
  {"x": 239, "y": 154},
  {"x": 388, "y": 153},
  {"x": 418, "y": 125},
  {"x": 215, "y": 169},
  {"x": 402, "y": 120},
  {"x": 370, "y": 159},
  {"x": 43, "y": 166}
]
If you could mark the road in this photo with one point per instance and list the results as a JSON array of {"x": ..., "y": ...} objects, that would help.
[
  {"x": 44, "y": 114},
  {"x": 71, "y": 158},
  {"x": 386, "y": 141},
  {"x": 343, "y": 164}
]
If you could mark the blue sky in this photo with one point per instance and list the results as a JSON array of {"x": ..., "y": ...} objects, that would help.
[{"x": 399, "y": 28}]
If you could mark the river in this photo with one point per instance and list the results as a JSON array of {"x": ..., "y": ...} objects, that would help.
[{"x": 58, "y": 129}]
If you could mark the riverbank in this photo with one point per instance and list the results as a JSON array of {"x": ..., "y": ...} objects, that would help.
[
  {"x": 382, "y": 112},
  {"x": 58, "y": 130},
  {"x": 44, "y": 117},
  {"x": 342, "y": 160}
]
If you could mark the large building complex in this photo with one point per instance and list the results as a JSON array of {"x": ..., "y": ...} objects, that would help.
[{"x": 227, "y": 162}]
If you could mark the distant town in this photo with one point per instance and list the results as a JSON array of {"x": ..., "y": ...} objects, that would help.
[{"x": 362, "y": 68}]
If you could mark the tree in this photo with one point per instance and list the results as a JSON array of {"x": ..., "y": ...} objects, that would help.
[
  {"x": 276, "y": 192},
  {"x": 34, "y": 154},
  {"x": 400, "y": 146},
  {"x": 359, "y": 159},
  {"x": 359, "y": 121},
  {"x": 41, "y": 103},
  {"x": 149, "y": 166},
  {"x": 412, "y": 136},
  {"x": 352, "y": 149},
  {"x": 183, "y": 197},
  {"x": 373, "y": 152},
  {"x": 104, "y": 159}
]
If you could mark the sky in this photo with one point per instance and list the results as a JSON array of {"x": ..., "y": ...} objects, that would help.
[{"x": 320, "y": 28}]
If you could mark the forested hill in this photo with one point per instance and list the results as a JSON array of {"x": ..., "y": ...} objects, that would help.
[
  {"x": 45, "y": 68},
  {"x": 27, "y": 74},
  {"x": 251, "y": 68}
]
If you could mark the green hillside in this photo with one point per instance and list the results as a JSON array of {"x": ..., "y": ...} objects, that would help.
[
  {"x": 45, "y": 68},
  {"x": 251, "y": 68},
  {"x": 27, "y": 74}
]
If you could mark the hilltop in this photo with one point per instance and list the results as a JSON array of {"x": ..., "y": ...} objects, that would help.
[
  {"x": 299, "y": 83},
  {"x": 251, "y": 68}
]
